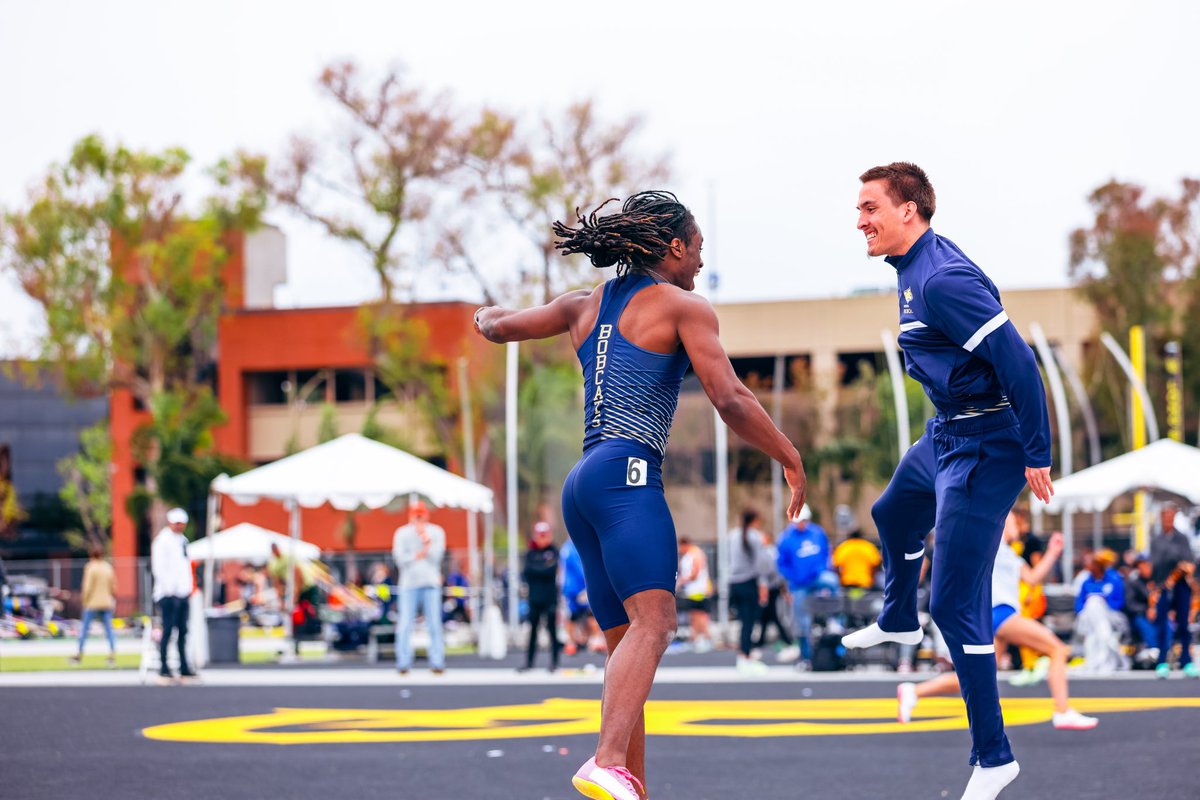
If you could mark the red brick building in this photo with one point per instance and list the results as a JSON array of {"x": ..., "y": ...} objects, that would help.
[{"x": 265, "y": 356}]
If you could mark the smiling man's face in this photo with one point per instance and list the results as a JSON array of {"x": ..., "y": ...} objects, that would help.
[{"x": 884, "y": 222}]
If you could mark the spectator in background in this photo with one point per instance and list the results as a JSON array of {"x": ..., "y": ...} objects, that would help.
[
  {"x": 1029, "y": 545},
  {"x": 418, "y": 548},
  {"x": 308, "y": 594},
  {"x": 747, "y": 584},
  {"x": 776, "y": 586},
  {"x": 1102, "y": 580},
  {"x": 1098, "y": 618},
  {"x": 540, "y": 573},
  {"x": 1083, "y": 568},
  {"x": 582, "y": 628},
  {"x": 173, "y": 585},
  {"x": 856, "y": 561},
  {"x": 803, "y": 556},
  {"x": 694, "y": 588},
  {"x": 1137, "y": 602},
  {"x": 99, "y": 598},
  {"x": 1171, "y": 557},
  {"x": 456, "y": 608}
]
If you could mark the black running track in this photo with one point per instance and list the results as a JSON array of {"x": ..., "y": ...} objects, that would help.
[{"x": 88, "y": 742}]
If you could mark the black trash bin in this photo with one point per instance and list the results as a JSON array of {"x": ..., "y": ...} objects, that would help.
[{"x": 223, "y": 639}]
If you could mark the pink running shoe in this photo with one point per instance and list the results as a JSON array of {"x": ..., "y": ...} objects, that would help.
[{"x": 606, "y": 783}]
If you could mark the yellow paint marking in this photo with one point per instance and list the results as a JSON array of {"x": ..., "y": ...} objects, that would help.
[{"x": 566, "y": 717}]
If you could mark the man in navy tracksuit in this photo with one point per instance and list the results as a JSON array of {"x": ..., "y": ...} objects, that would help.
[{"x": 990, "y": 436}]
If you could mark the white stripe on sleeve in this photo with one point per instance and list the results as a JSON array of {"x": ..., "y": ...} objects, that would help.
[{"x": 987, "y": 327}]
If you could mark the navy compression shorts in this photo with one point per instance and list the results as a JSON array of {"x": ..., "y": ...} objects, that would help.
[{"x": 617, "y": 516}]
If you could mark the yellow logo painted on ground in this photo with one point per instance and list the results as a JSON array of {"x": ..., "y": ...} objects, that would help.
[{"x": 566, "y": 717}]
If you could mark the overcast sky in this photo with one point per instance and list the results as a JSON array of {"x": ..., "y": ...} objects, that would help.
[{"x": 1016, "y": 111}]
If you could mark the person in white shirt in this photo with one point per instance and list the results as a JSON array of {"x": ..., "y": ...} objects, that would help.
[
  {"x": 1009, "y": 626},
  {"x": 173, "y": 584},
  {"x": 418, "y": 548}
]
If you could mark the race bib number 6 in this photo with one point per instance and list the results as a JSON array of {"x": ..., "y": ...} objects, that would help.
[{"x": 635, "y": 472}]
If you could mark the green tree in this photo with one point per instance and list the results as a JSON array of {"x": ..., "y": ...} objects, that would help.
[
  {"x": 177, "y": 450},
  {"x": 373, "y": 183},
  {"x": 87, "y": 486},
  {"x": 128, "y": 277},
  {"x": 1136, "y": 263},
  {"x": 327, "y": 429},
  {"x": 550, "y": 420}
]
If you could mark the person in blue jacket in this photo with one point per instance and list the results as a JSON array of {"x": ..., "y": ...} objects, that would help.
[
  {"x": 574, "y": 591},
  {"x": 1103, "y": 580},
  {"x": 989, "y": 437},
  {"x": 803, "y": 557}
]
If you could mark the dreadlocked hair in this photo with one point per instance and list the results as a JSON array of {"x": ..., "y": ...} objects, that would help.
[{"x": 635, "y": 238}]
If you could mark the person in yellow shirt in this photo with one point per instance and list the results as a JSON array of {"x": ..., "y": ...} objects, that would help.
[
  {"x": 856, "y": 560},
  {"x": 99, "y": 599}
]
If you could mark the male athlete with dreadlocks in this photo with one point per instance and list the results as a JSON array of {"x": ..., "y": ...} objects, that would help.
[
  {"x": 990, "y": 436},
  {"x": 635, "y": 335}
]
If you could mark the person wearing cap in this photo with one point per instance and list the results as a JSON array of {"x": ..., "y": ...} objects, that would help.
[
  {"x": 418, "y": 548},
  {"x": 540, "y": 572},
  {"x": 173, "y": 584},
  {"x": 802, "y": 558}
]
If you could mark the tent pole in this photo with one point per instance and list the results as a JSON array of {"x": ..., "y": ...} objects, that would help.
[
  {"x": 472, "y": 516},
  {"x": 778, "y": 507},
  {"x": 210, "y": 528},
  {"x": 489, "y": 559},
  {"x": 899, "y": 391},
  {"x": 722, "y": 474}
]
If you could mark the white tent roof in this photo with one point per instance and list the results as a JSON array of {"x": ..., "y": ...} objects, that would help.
[
  {"x": 248, "y": 542},
  {"x": 1165, "y": 465},
  {"x": 353, "y": 471}
]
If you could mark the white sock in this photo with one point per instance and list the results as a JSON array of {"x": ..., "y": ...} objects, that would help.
[
  {"x": 987, "y": 782},
  {"x": 873, "y": 635}
]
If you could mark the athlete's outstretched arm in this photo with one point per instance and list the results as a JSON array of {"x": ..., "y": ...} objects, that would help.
[
  {"x": 501, "y": 325},
  {"x": 737, "y": 405},
  {"x": 1035, "y": 575}
]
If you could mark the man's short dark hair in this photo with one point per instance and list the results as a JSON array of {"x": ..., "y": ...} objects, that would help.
[{"x": 906, "y": 182}]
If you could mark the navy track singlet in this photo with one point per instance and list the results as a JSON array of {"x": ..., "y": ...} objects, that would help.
[{"x": 629, "y": 392}]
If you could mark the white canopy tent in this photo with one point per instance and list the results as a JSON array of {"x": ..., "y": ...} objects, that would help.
[
  {"x": 349, "y": 473},
  {"x": 248, "y": 542},
  {"x": 1165, "y": 465}
]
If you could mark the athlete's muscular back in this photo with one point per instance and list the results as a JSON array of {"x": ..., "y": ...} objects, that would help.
[{"x": 650, "y": 320}]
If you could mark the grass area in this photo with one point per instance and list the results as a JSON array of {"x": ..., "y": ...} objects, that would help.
[
  {"x": 124, "y": 661},
  {"x": 59, "y": 663}
]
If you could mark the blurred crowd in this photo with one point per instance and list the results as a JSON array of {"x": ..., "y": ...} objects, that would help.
[{"x": 791, "y": 595}]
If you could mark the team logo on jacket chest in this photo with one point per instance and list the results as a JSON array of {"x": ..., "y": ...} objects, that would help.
[
  {"x": 601, "y": 364},
  {"x": 908, "y": 295}
]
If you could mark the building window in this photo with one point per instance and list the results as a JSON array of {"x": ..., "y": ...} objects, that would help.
[
  {"x": 267, "y": 388},
  {"x": 350, "y": 386},
  {"x": 852, "y": 366}
]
